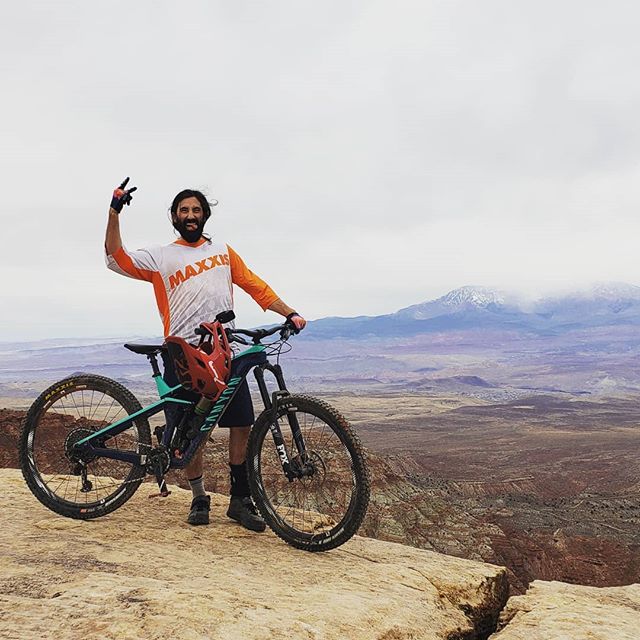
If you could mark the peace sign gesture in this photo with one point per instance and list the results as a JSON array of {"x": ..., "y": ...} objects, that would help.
[{"x": 122, "y": 196}]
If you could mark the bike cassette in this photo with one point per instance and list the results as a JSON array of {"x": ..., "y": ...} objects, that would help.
[{"x": 70, "y": 442}]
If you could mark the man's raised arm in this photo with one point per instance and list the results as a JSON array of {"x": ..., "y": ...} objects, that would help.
[{"x": 113, "y": 241}]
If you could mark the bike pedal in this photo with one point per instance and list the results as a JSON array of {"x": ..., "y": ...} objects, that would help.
[{"x": 162, "y": 494}]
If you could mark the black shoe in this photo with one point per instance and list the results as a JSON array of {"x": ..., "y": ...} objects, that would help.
[
  {"x": 199, "y": 513},
  {"x": 243, "y": 510}
]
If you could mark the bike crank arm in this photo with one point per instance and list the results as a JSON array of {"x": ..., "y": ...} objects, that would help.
[
  {"x": 162, "y": 485},
  {"x": 158, "y": 463}
]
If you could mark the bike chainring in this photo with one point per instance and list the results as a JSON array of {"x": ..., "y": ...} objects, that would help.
[{"x": 158, "y": 457}]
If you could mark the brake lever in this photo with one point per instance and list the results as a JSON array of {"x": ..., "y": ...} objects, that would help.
[{"x": 285, "y": 334}]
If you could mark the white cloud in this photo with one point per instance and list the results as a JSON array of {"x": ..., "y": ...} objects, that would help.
[{"x": 367, "y": 155}]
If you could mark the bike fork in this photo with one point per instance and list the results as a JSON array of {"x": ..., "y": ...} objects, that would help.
[{"x": 271, "y": 405}]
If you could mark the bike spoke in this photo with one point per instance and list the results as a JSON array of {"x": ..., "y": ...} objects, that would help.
[
  {"x": 95, "y": 411},
  {"x": 107, "y": 418},
  {"x": 73, "y": 399}
]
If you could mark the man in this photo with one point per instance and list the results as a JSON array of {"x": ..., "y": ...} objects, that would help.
[{"x": 193, "y": 279}]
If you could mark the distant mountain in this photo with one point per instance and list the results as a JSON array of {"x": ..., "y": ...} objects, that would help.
[
  {"x": 615, "y": 303},
  {"x": 475, "y": 316},
  {"x": 463, "y": 300},
  {"x": 465, "y": 308},
  {"x": 471, "y": 307},
  {"x": 472, "y": 341}
]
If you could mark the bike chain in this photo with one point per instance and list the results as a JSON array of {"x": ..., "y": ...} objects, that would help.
[{"x": 140, "y": 445}]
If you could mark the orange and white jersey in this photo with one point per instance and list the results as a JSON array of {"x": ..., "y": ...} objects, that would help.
[{"x": 192, "y": 282}]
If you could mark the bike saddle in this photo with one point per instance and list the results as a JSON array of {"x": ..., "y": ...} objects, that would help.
[{"x": 146, "y": 349}]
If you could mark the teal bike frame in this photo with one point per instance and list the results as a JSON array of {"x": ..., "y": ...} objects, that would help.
[{"x": 161, "y": 458}]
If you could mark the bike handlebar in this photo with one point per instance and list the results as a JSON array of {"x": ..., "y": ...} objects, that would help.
[{"x": 258, "y": 334}]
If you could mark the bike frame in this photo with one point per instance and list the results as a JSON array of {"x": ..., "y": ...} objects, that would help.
[{"x": 93, "y": 446}]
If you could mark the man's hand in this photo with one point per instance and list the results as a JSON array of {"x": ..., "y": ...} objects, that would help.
[
  {"x": 296, "y": 321},
  {"x": 122, "y": 196}
]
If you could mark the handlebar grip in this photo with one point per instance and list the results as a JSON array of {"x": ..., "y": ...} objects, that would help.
[{"x": 199, "y": 331}]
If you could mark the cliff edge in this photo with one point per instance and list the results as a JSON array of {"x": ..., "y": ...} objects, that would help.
[
  {"x": 558, "y": 611},
  {"x": 142, "y": 572}
]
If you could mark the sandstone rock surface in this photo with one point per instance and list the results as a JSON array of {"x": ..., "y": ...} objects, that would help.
[
  {"x": 142, "y": 572},
  {"x": 559, "y": 611}
]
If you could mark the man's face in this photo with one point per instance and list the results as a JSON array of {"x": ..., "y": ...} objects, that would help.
[{"x": 189, "y": 219}]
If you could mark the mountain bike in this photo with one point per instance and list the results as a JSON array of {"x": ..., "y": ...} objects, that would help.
[{"x": 86, "y": 446}]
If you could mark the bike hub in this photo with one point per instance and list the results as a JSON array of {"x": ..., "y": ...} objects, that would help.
[{"x": 311, "y": 466}]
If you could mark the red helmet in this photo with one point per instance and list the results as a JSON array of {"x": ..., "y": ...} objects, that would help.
[{"x": 205, "y": 368}]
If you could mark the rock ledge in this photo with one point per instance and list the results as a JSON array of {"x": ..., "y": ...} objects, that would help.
[
  {"x": 559, "y": 611},
  {"x": 142, "y": 572}
]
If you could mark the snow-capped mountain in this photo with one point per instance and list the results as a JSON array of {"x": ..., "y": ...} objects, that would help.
[
  {"x": 472, "y": 296},
  {"x": 463, "y": 299},
  {"x": 473, "y": 308}
]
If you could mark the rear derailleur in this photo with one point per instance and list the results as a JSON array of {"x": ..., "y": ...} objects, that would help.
[
  {"x": 79, "y": 459},
  {"x": 80, "y": 469}
]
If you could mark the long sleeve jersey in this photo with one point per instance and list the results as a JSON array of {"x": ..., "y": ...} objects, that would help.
[{"x": 192, "y": 282}]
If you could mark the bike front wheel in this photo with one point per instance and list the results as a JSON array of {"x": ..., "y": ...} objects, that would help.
[
  {"x": 324, "y": 508},
  {"x": 66, "y": 412}
]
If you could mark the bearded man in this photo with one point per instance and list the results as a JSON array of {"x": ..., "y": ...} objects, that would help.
[{"x": 193, "y": 280}]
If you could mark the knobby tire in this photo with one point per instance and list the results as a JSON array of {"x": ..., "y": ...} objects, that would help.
[
  {"x": 288, "y": 522},
  {"x": 39, "y": 418}
]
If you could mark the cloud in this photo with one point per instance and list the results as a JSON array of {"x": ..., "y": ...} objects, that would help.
[{"x": 367, "y": 156}]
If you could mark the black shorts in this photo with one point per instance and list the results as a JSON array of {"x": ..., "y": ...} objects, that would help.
[{"x": 239, "y": 413}]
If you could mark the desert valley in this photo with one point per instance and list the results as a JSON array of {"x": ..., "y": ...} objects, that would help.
[{"x": 494, "y": 433}]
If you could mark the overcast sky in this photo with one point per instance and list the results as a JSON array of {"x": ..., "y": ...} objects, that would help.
[{"x": 366, "y": 155}]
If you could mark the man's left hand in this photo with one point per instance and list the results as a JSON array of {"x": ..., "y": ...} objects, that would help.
[{"x": 296, "y": 321}]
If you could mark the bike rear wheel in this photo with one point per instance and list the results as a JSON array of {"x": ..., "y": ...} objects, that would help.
[
  {"x": 323, "y": 509},
  {"x": 65, "y": 413}
]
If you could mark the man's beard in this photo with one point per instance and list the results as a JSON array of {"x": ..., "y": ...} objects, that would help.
[{"x": 190, "y": 235}]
